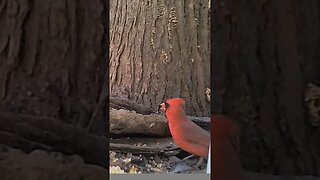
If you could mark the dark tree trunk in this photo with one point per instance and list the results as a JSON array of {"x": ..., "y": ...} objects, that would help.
[
  {"x": 52, "y": 66},
  {"x": 51, "y": 58},
  {"x": 265, "y": 55},
  {"x": 160, "y": 49}
]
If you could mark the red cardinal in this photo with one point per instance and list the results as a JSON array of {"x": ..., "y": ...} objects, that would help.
[
  {"x": 193, "y": 139},
  {"x": 187, "y": 135},
  {"x": 225, "y": 163}
]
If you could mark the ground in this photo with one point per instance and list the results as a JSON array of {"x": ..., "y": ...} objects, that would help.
[{"x": 121, "y": 163}]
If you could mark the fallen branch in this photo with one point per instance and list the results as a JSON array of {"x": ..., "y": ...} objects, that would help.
[
  {"x": 28, "y": 132},
  {"x": 149, "y": 146},
  {"x": 124, "y": 122},
  {"x": 121, "y": 103},
  {"x": 130, "y": 122}
]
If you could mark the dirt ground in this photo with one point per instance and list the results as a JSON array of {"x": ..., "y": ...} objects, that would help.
[
  {"x": 127, "y": 163},
  {"x": 40, "y": 164}
]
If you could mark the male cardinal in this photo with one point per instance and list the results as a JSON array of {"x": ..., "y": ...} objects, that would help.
[
  {"x": 225, "y": 163},
  {"x": 193, "y": 139},
  {"x": 187, "y": 135}
]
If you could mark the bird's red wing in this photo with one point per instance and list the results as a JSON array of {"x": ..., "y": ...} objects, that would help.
[
  {"x": 195, "y": 134},
  {"x": 191, "y": 138}
]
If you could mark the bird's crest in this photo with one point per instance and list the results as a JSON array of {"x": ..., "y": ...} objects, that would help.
[
  {"x": 175, "y": 101},
  {"x": 171, "y": 102}
]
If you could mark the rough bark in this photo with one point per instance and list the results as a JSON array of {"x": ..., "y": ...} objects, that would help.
[
  {"x": 160, "y": 49},
  {"x": 265, "y": 55},
  {"x": 120, "y": 103},
  {"x": 51, "y": 60}
]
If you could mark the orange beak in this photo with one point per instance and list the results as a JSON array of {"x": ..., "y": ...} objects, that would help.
[{"x": 163, "y": 107}]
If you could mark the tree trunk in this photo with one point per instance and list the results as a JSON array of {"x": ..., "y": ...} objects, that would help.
[
  {"x": 51, "y": 60},
  {"x": 265, "y": 55},
  {"x": 160, "y": 49}
]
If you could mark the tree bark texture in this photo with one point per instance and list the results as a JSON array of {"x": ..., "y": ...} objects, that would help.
[
  {"x": 160, "y": 49},
  {"x": 265, "y": 53},
  {"x": 51, "y": 60}
]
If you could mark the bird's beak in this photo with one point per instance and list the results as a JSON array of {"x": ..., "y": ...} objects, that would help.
[{"x": 163, "y": 107}]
